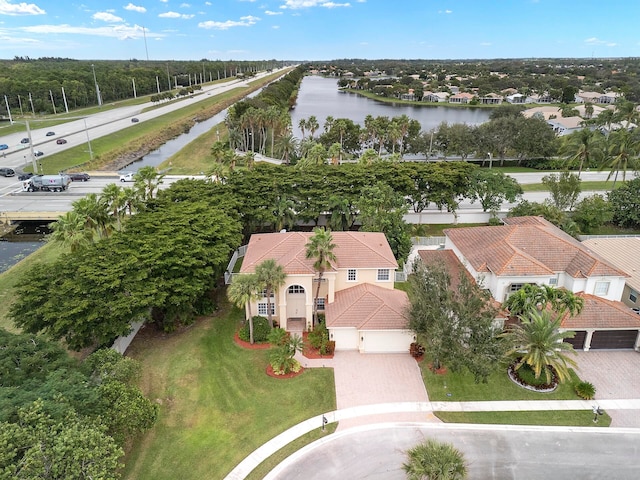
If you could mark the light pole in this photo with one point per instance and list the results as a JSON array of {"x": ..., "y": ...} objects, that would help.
[
  {"x": 95, "y": 80},
  {"x": 88, "y": 141}
]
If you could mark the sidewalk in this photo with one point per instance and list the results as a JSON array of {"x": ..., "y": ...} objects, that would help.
[{"x": 425, "y": 408}]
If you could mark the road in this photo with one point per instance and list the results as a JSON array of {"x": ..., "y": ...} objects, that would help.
[
  {"x": 490, "y": 451},
  {"x": 83, "y": 130}
]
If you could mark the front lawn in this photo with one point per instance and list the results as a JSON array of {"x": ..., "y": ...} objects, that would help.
[
  {"x": 217, "y": 404},
  {"x": 460, "y": 387},
  {"x": 569, "y": 418}
]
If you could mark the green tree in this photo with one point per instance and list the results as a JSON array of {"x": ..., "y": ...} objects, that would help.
[
  {"x": 147, "y": 181},
  {"x": 535, "y": 297},
  {"x": 433, "y": 460},
  {"x": 592, "y": 212},
  {"x": 270, "y": 274},
  {"x": 491, "y": 188},
  {"x": 242, "y": 291},
  {"x": 537, "y": 341},
  {"x": 564, "y": 189},
  {"x": 625, "y": 202},
  {"x": 71, "y": 231},
  {"x": 320, "y": 249},
  {"x": 585, "y": 147},
  {"x": 624, "y": 148}
]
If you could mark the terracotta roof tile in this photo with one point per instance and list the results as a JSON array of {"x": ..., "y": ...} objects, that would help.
[
  {"x": 353, "y": 250},
  {"x": 601, "y": 313},
  {"x": 368, "y": 306},
  {"x": 527, "y": 246}
]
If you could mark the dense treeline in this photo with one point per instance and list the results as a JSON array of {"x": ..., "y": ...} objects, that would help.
[{"x": 35, "y": 85}]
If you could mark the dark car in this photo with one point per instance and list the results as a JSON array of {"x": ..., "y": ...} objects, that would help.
[
  {"x": 3, "y": 146},
  {"x": 61, "y": 141},
  {"x": 24, "y": 140},
  {"x": 7, "y": 172},
  {"x": 25, "y": 176},
  {"x": 50, "y": 134},
  {"x": 38, "y": 153},
  {"x": 134, "y": 120},
  {"x": 79, "y": 176}
]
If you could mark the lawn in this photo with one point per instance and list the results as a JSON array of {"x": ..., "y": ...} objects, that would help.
[
  {"x": 585, "y": 186},
  {"x": 569, "y": 418},
  {"x": 217, "y": 404},
  {"x": 435, "y": 229}
]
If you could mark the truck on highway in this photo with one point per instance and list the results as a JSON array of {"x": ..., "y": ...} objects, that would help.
[{"x": 46, "y": 183}]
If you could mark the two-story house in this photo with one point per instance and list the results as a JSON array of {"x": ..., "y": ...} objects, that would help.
[
  {"x": 532, "y": 250},
  {"x": 362, "y": 309}
]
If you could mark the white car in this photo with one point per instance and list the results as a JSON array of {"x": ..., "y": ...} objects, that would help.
[{"x": 127, "y": 177}]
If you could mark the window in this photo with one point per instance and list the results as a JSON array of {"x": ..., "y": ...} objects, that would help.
[
  {"x": 320, "y": 303},
  {"x": 553, "y": 281},
  {"x": 514, "y": 287},
  {"x": 633, "y": 296},
  {"x": 264, "y": 293},
  {"x": 296, "y": 289},
  {"x": 383, "y": 274},
  {"x": 602, "y": 288},
  {"x": 351, "y": 275},
  {"x": 262, "y": 309}
]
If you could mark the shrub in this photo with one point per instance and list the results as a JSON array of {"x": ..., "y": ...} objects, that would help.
[
  {"x": 436, "y": 461},
  {"x": 261, "y": 330},
  {"x": 281, "y": 357},
  {"x": 318, "y": 336},
  {"x": 278, "y": 336},
  {"x": 416, "y": 350},
  {"x": 585, "y": 390}
]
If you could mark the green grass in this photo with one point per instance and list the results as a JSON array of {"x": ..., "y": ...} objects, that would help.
[
  {"x": 43, "y": 256},
  {"x": 460, "y": 387},
  {"x": 610, "y": 229},
  {"x": 404, "y": 286},
  {"x": 435, "y": 229},
  {"x": 585, "y": 186},
  {"x": 569, "y": 418},
  {"x": 271, "y": 462},
  {"x": 217, "y": 403}
]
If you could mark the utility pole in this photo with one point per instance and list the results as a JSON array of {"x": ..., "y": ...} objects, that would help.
[{"x": 95, "y": 80}]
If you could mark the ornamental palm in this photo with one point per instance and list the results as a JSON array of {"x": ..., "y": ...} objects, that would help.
[
  {"x": 320, "y": 248},
  {"x": 271, "y": 275},
  {"x": 70, "y": 229},
  {"x": 624, "y": 148},
  {"x": 242, "y": 291},
  {"x": 583, "y": 146},
  {"x": 538, "y": 343},
  {"x": 432, "y": 460}
]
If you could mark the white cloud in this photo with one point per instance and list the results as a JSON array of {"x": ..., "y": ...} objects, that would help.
[
  {"x": 185, "y": 5},
  {"x": 107, "y": 17},
  {"x": 208, "y": 4},
  {"x": 22, "y": 8},
  {"x": 269, "y": 12},
  {"x": 296, "y": 4},
  {"x": 121, "y": 32},
  {"x": 135, "y": 8},
  {"x": 445, "y": 11},
  {"x": 184, "y": 16},
  {"x": 486, "y": 44},
  {"x": 597, "y": 41},
  {"x": 244, "y": 22},
  {"x": 276, "y": 27}
]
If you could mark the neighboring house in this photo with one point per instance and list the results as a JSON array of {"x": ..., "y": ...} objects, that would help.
[
  {"x": 624, "y": 253},
  {"x": 516, "y": 98},
  {"x": 566, "y": 125},
  {"x": 491, "y": 99},
  {"x": 596, "y": 97},
  {"x": 435, "y": 97},
  {"x": 532, "y": 250},
  {"x": 461, "y": 98},
  {"x": 357, "y": 296}
]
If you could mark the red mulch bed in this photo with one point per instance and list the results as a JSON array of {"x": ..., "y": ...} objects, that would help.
[
  {"x": 440, "y": 371},
  {"x": 248, "y": 346},
  {"x": 309, "y": 352},
  {"x": 288, "y": 375}
]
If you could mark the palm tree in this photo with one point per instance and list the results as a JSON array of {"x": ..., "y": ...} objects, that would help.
[
  {"x": 148, "y": 180},
  {"x": 95, "y": 212},
  {"x": 286, "y": 146},
  {"x": 533, "y": 297},
  {"x": 584, "y": 146},
  {"x": 537, "y": 342},
  {"x": 335, "y": 152},
  {"x": 242, "y": 291},
  {"x": 218, "y": 173},
  {"x": 113, "y": 195},
  {"x": 284, "y": 213},
  {"x": 131, "y": 200},
  {"x": 368, "y": 157},
  {"x": 270, "y": 274},
  {"x": 312, "y": 125},
  {"x": 320, "y": 248},
  {"x": 624, "y": 148},
  {"x": 302, "y": 124},
  {"x": 71, "y": 230},
  {"x": 432, "y": 460}
]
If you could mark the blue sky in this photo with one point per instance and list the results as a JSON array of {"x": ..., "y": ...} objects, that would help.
[{"x": 318, "y": 29}]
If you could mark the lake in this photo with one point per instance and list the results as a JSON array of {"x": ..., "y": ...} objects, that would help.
[{"x": 320, "y": 96}]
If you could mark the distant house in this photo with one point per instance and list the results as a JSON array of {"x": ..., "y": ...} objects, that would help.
[
  {"x": 461, "y": 98},
  {"x": 362, "y": 309},
  {"x": 539, "y": 98},
  {"x": 435, "y": 96},
  {"x": 532, "y": 250},
  {"x": 491, "y": 99},
  {"x": 410, "y": 95},
  {"x": 597, "y": 97},
  {"x": 516, "y": 98},
  {"x": 566, "y": 125}
]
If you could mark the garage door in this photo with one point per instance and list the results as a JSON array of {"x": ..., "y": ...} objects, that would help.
[
  {"x": 614, "y": 339},
  {"x": 577, "y": 341},
  {"x": 385, "y": 341},
  {"x": 345, "y": 338}
]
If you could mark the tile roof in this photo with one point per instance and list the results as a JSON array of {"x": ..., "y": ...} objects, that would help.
[
  {"x": 622, "y": 252},
  {"x": 528, "y": 246},
  {"x": 368, "y": 307},
  {"x": 601, "y": 313},
  {"x": 353, "y": 250}
]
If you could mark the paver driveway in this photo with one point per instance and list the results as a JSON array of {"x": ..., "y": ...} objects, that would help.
[{"x": 616, "y": 375}]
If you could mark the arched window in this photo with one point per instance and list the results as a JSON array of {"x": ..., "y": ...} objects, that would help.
[{"x": 296, "y": 289}]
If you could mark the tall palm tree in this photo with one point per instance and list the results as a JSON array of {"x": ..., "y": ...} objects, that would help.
[
  {"x": 433, "y": 460},
  {"x": 320, "y": 248},
  {"x": 242, "y": 291},
  {"x": 533, "y": 297},
  {"x": 624, "y": 148},
  {"x": 284, "y": 213},
  {"x": 113, "y": 195},
  {"x": 95, "y": 212},
  {"x": 537, "y": 342},
  {"x": 584, "y": 146},
  {"x": 271, "y": 275},
  {"x": 286, "y": 146},
  {"x": 335, "y": 151},
  {"x": 131, "y": 199},
  {"x": 312, "y": 125},
  {"x": 71, "y": 231},
  {"x": 302, "y": 125},
  {"x": 148, "y": 180},
  {"x": 218, "y": 173}
]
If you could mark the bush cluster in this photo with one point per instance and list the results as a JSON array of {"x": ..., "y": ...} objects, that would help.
[{"x": 261, "y": 330}]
